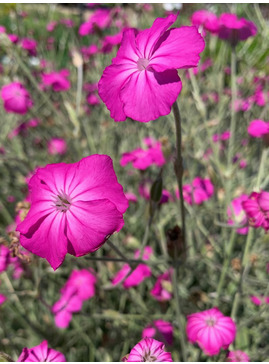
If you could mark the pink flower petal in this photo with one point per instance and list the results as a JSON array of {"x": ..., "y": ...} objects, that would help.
[
  {"x": 51, "y": 242},
  {"x": 147, "y": 39},
  {"x": 179, "y": 48},
  {"x": 112, "y": 81},
  {"x": 94, "y": 185},
  {"x": 148, "y": 95},
  {"x": 89, "y": 225}
]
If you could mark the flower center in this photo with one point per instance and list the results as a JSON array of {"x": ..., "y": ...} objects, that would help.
[
  {"x": 210, "y": 321},
  {"x": 62, "y": 202},
  {"x": 147, "y": 357},
  {"x": 142, "y": 64}
]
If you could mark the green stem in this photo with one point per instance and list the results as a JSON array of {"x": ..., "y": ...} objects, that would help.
[
  {"x": 179, "y": 168},
  {"x": 6, "y": 357},
  {"x": 109, "y": 242},
  {"x": 145, "y": 238},
  {"x": 179, "y": 316},
  {"x": 226, "y": 263},
  {"x": 233, "y": 121},
  {"x": 79, "y": 88},
  {"x": 247, "y": 247},
  {"x": 4, "y": 212},
  {"x": 108, "y": 259},
  {"x": 261, "y": 169}
]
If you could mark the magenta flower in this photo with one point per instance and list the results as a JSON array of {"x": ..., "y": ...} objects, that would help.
[
  {"x": 258, "y": 128},
  {"x": 237, "y": 356},
  {"x": 149, "y": 350},
  {"x": 110, "y": 41},
  {"x": 237, "y": 214},
  {"x": 142, "y": 83},
  {"x": 131, "y": 197},
  {"x": 79, "y": 288},
  {"x": 2, "y": 299},
  {"x": 84, "y": 282},
  {"x": 234, "y": 30},
  {"x": 201, "y": 68},
  {"x": 140, "y": 273},
  {"x": 160, "y": 329},
  {"x": 144, "y": 191},
  {"x": 4, "y": 258},
  {"x": 100, "y": 19},
  {"x": 260, "y": 97},
  {"x": 13, "y": 38},
  {"x": 224, "y": 136},
  {"x": 67, "y": 22},
  {"x": 74, "y": 209},
  {"x": 242, "y": 104},
  {"x": 162, "y": 290},
  {"x": 51, "y": 26},
  {"x": 211, "y": 330},
  {"x": 57, "y": 80},
  {"x": 258, "y": 301},
  {"x": 65, "y": 307},
  {"x": 257, "y": 209},
  {"x": 16, "y": 98},
  {"x": 93, "y": 99},
  {"x": 200, "y": 190},
  {"x": 23, "y": 128},
  {"x": 57, "y": 146},
  {"x": 41, "y": 353},
  {"x": 89, "y": 51},
  {"x": 29, "y": 45},
  {"x": 144, "y": 158},
  {"x": 205, "y": 20}
]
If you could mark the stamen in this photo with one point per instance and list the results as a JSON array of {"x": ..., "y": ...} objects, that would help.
[
  {"x": 142, "y": 64},
  {"x": 62, "y": 202}
]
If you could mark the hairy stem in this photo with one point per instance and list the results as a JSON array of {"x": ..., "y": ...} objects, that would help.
[
  {"x": 233, "y": 123},
  {"x": 226, "y": 263},
  {"x": 179, "y": 168},
  {"x": 179, "y": 316}
]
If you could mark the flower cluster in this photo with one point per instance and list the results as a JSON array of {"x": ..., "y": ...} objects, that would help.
[
  {"x": 138, "y": 275},
  {"x": 200, "y": 190},
  {"x": 144, "y": 158},
  {"x": 162, "y": 330},
  {"x": 79, "y": 287},
  {"x": 227, "y": 26},
  {"x": 237, "y": 214},
  {"x": 162, "y": 290},
  {"x": 58, "y": 81}
]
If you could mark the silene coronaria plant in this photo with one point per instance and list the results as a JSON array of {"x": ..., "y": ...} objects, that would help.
[{"x": 142, "y": 261}]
